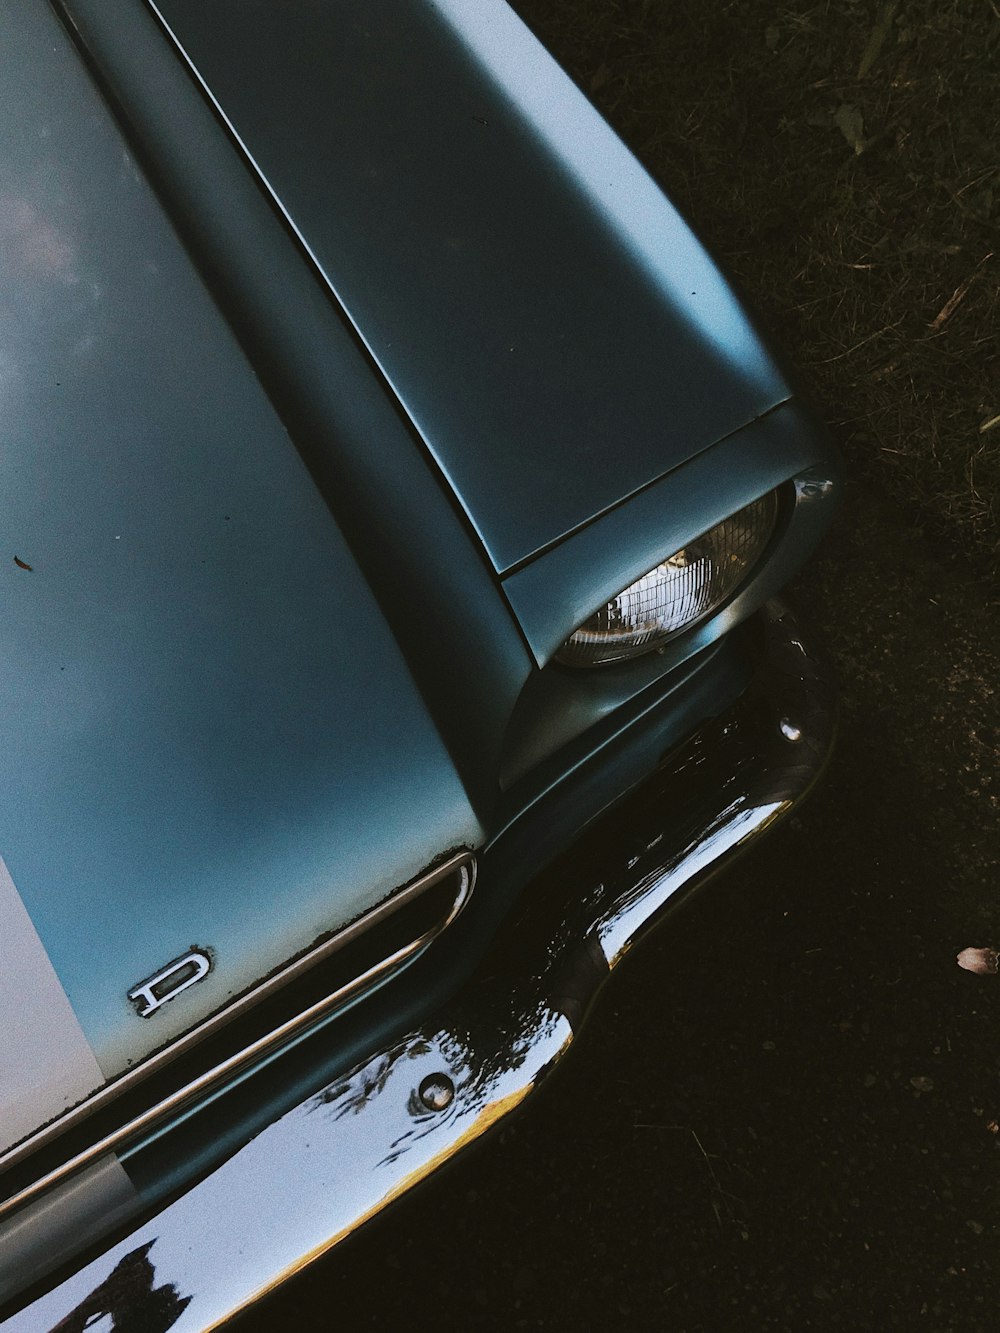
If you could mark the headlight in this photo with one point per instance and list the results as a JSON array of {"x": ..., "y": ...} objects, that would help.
[{"x": 680, "y": 591}]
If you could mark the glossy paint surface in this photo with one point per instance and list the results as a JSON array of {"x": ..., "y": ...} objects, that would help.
[
  {"x": 208, "y": 735},
  {"x": 547, "y": 320}
]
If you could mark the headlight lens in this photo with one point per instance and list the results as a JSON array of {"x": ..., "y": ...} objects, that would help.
[{"x": 680, "y": 591}]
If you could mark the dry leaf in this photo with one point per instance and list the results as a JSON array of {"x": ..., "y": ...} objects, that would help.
[
  {"x": 981, "y": 961},
  {"x": 877, "y": 39},
  {"x": 851, "y": 123},
  {"x": 599, "y": 78}
]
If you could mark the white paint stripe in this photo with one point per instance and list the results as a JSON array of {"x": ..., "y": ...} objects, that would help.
[{"x": 46, "y": 1063}]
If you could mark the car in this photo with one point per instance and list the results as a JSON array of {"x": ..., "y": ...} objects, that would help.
[{"x": 397, "y": 501}]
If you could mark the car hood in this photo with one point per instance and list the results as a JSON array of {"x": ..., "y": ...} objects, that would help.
[
  {"x": 548, "y": 321},
  {"x": 207, "y": 731}
]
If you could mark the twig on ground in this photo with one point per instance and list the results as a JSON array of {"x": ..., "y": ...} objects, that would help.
[
  {"x": 956, "y": 298},
  {"x": 877, "y": 334}
]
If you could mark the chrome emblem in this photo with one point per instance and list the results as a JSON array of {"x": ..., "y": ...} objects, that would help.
[{"x": 177, "y": 976}]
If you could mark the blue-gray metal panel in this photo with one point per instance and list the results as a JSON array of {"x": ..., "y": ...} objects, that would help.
[
  {"x": 547, "y": 319},
  {"x": 386, "y": 492},
  {"x": 207, "y": 733}
]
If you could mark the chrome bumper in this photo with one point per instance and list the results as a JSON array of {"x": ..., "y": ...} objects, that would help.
[{"x": 338, "y": 1158}]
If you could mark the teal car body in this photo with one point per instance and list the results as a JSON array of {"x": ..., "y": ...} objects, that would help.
[{"x": 350, "y": 363}]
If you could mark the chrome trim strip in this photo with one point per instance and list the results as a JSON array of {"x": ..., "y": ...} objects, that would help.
[
  {"x": 342, "y": 1155},
  {"x": 464, "y": 864}
]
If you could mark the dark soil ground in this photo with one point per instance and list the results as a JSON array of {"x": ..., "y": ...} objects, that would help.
[
  {"x": 842, "y": 160},
  {"x": 784, "y": 1113}
]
